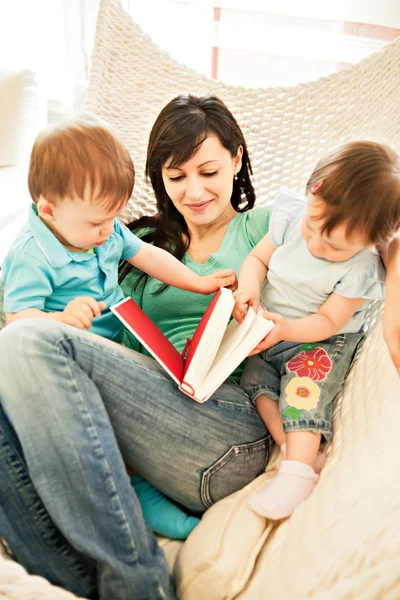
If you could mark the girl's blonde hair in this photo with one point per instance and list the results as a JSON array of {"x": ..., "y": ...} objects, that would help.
[
  {"x": 81, "y": 156},
  {"x": 360, "y": 183}
]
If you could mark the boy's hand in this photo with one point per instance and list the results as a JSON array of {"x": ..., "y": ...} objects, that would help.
[
  {"x": 212, "y": 283},
  {"x": 80, "y": 312},
  {"x": 276, "y": 335},
  {"x": 245, "y": 297}
]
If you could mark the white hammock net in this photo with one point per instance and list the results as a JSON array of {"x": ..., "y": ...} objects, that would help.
[
  {"x": 287, "y": 129},
  {"x": 347, "y": 536}
]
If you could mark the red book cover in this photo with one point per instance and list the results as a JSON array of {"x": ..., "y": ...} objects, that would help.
[
  {"x": 199, "y": 332},
  {"x": 151, "y": 337}
]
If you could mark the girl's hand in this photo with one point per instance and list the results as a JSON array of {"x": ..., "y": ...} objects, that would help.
[
  {"x": 391, "y": 326},
  {"x": 245, "y": 297},
  {"x": 212, "y": 283},
  {"x": 276, "y": 335}
]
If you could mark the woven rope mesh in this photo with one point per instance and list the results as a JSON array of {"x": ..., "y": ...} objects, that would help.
[{"x": 287, "y": 129}]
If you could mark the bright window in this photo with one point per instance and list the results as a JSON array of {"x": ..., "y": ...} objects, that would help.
[
  {"x": 265, "y": 42},
  {"x": 245, "y": 42}
]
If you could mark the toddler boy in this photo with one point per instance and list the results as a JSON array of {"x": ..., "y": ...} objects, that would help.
[{"x": 64, "y": 263}]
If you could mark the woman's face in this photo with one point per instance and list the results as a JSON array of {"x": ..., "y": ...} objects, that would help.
[{"x": 201, "y": 188}]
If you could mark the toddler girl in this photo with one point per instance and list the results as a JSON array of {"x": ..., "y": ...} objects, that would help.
[{"x": 316, "y": 270}]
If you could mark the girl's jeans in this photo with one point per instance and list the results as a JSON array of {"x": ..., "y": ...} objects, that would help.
[
  {"x": 303, "y": 378},
  {"x": 81, "y": 406}
]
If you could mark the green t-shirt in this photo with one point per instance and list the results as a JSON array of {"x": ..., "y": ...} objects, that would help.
[{"x": 178, "y": 312}]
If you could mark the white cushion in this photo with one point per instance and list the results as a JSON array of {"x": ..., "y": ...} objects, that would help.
[
  {"x": 220, "y": 554},
  {"x": 16, "y": 584},
  {"x": 23, "y": 114},
  {"x": 14, "y": 204}
]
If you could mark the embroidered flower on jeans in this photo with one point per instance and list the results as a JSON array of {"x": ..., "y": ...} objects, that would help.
[
  {"x": 302, "y": 393},
  {"x": 314, "y": 363}
]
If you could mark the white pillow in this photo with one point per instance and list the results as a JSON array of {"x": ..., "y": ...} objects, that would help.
[
  {"x": 218, "y": 558},
  {"x": 23, "y": 114}
]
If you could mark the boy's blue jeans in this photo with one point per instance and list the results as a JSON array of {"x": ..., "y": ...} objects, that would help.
[
  {"x": 81, "y": 407},
  {"x": 303, "y": 378}
]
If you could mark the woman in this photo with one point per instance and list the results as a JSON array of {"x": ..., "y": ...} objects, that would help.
[{"x": 77, "y": 402}]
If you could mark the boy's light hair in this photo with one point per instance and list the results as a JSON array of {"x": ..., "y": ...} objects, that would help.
[
  {"x": 81, "y": 157},
  {"x": 360, "y": 183}
]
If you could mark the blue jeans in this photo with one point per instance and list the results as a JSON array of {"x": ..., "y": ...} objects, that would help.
[
  {"x": 303, "y": 378},
  {"x": 82, "y": 406},
  {"x": 25, "y": 521}
]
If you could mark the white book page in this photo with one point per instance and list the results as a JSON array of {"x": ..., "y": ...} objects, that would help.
[
  {"x": 234, "y": 334},
  {"x": 210, "y": 341},
  {"x": 238, "y": 342}
]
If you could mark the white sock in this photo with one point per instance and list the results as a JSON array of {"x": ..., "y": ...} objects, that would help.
[
  {"x": 290, "y": 487},
  {"x": 319, "y": 461}
]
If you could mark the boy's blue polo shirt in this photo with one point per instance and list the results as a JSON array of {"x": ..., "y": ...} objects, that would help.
[{"x": 39, "y": 272}]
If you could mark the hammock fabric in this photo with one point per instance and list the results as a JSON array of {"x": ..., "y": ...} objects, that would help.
[{"x": 344, "y": 542}]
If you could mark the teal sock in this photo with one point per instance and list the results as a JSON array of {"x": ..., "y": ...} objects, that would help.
[{"x": 160, "y": 514}]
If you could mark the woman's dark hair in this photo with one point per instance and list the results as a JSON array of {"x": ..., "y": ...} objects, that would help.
[{"x": 178, "y": 132}]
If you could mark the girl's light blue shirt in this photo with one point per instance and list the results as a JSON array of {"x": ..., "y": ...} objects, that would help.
[{"x": 298, "y": 283}]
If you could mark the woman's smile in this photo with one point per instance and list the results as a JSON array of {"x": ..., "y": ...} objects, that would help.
[{"x": 200, "y": 206}]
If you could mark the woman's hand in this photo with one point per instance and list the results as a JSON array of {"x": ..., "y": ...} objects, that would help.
[
  {"x": 276, "y": 335},
  {"x": 245, "y": 297},
  {"x": 218, "y": 279}
]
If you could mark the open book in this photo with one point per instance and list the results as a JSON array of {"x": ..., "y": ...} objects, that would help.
[{"x": 214, "y": 351}]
